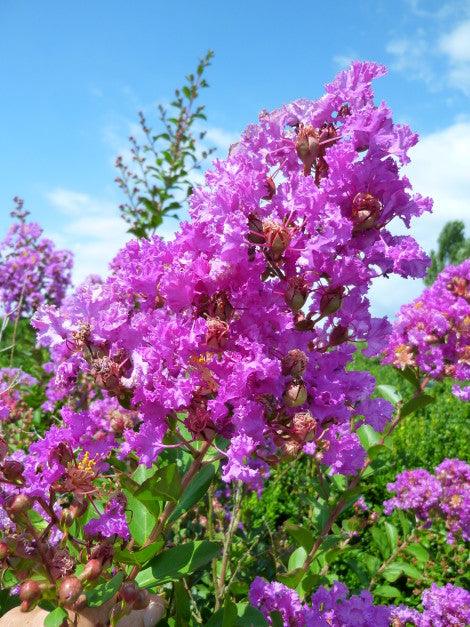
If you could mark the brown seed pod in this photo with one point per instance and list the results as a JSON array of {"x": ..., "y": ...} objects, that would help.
[
  {"x": 12, "y": 470},
  {"x": 17, "y": 505},
  {"x": 69, "y": 590},
  {"x": 30, "y": 590}
]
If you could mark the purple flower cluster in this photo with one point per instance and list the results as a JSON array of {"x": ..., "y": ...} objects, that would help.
[
  {"x": 328, "y": 608},
  {"x": 12, "y": 383},
  {"x": 433, "y": 332},
  {"x": 244, "y": 325},
  {"x": 442, "y": 607},
  {"x": 69, "y": 458},
  {"x": 444, "y": 495},
  {"x": 32, "y": 271}
]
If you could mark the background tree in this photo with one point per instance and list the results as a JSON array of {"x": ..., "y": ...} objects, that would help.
[
  {"x": 158, "y": 180},
  {"x": 453, "y": 248}
]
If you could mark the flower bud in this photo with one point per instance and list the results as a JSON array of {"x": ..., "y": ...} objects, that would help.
[
  {"x": 92, "y": 570},
  {"x": 30, "y": 590},
  {"x": 295, "y": 394},
  {"x": 255, "y": 226},
  {"x": 217, "y": 334},
  {"x": 331, "y": 300},
  {"x": 13, "y": 470},
  {"x": 128, "y": 592},
  {"x": 296, "y": 293},
  {"x": 3, "y": 550},
  {"x": 294, "y": 363},
  {"x": 270, "y": 188},
  {"x": 16, "y": 505},
  {"x": 365, "y": 211},
  {"x": 339, "y": 335},
  {"x": 277, "y": 237},
  {"x": 77, "y": 509},
  {"x": 303, "y": 426},
  {"x": 307, "y": 146},
  {"x": 80, "y": 603},
  {"x": 69, "y": 591},
  {"x": 142, "y": 600}
]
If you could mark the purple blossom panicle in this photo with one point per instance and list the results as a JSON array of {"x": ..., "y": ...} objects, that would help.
[
  {"x": 444, "y": 606},
  {"x": 442, "y": 496},
  {"x": 12, "y": 384},
  {"x": 111, "y": 523},
  {"x": 276, "y": 597},
  {"x": 328, "y": 608},
  {"x": 433, "y": 332},
  {"x": 247, "y": 321},
  {"x": 32, "y": 271}
]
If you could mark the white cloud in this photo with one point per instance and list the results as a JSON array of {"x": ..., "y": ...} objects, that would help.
[
  {"x": 220, "y": 138},
  {"x": 456, "y": 46},
  {"x": 94, "y": 230},
  {"x": 439, "y": 168},
  {"x": 412, "y": 57}
]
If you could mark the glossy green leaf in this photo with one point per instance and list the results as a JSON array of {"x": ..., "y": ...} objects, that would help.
[
  {"x": 297, "y": 558},
  {"x": 104, "y": 591},
  {"x": 140, "y": 556},
  {"x": 195, "y": 491},
  {"x": 392, "y": 535},
  {"x": 417, "y": 550},
  {"x": 56, "y": 618},
  {"x": 177, "y": 562},
  {"x": 301, "y": 535},
  {"x": 416, "y": 403},
  {"x": 140, "y": 520},
  {"x": 390, "y": 393},
  {"x": 387, "y": 591},
  {"x": 368, "y": 436}
]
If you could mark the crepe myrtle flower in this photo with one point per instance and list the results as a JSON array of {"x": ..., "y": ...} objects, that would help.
[{"x": 245, "y": 324}]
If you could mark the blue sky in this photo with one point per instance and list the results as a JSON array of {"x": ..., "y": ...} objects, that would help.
[{"x": 74, "y": 76}]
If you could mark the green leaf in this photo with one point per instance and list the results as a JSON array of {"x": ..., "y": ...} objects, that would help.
[
  {"x": 56, "y": 617},
  {"x": 142, "y": 473},
  {"x": 177, "y": 562},
  {"x": 291, "y": 578},
  {"x": 195, "y": 491},
  {"x": 392, "y": 572},
  {"x": 249, "y": 616},
  {"x": 387, "y": 591},
  {"x": 140, "y": 520},
  {"x": 297, "y": 558},
  {"x": 104, "y": 591},
  {"x": 138, "y": 557},
  {"x": 392, "y": 535},
  {"x": 417, "y": 550},
  {"x": 410, "y": 570},
  {"x": 302, "y": 536},
  {"x": 416, "y": 403},
  {"x": 182, "y": 603},
  {"x": 368, "y": 436},
  {"x": 380, "y": 540},
  {"x": 390, "y": 393}
]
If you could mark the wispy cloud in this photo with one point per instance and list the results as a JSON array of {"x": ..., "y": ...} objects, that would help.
[
  {"x": 455, "y": 45},
  {"x": 439, "y": 168},
  {"x": 345, "y": 59},
  {"x": 411, "y": 55}
]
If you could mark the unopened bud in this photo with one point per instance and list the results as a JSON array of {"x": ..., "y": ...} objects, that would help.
[
  {"x": 16, "y": 505},
  {"x": 128, "y": 592},
  {"x": 142, "y": 600},
  {"x": 294, "y": 363},
  {"x": 77, "y": 509},
  {"x": 92, "y": 570},
  {"x": 277, "y": 236},
  {"x": 26, "y": 606},
  {"x": 270, "y": 188},
  {"x": 296, "y": 293},
  {"x": 13, "y": 470},
  {"x": 80, "y": 603},
  {"x": 30, "y": 590},
  {"x": 339, "y": 335},
  {"x": 295, "y": 394},
  {"x": 217, "y": 334},
  {"x": 331, "y": 300},
  {"x": 69, "y": 591},
  {"x": 365, "y": 211},
  {"x": 303, "y": 426}
]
